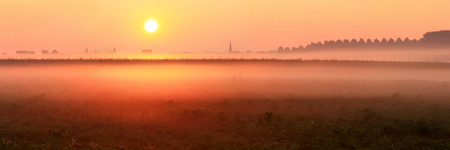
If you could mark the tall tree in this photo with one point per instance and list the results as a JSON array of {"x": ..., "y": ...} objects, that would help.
[
  {"x": 361, "y": 41},
  {"x": 369, "y": 41},
  {"x": 377, "y": 42},
  {"x": 383, "y": 41},
  {"x": 391, "y": 41}
]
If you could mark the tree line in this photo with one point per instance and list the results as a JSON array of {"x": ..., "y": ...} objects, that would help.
[{"x": 435, "y": 39}]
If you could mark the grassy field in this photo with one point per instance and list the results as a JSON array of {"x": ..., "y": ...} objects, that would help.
[{"x": 382, "y": 105}]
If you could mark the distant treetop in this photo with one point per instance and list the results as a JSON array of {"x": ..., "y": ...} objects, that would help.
[{"x": 435, "y": 39}]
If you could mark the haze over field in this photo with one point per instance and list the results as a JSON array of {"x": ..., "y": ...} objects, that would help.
[
  {"x": 431, "y": 55},
  {"x": 213, "y": 80}
]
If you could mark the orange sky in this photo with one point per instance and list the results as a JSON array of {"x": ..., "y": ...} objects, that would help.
[{"x": 205, "y": 25}]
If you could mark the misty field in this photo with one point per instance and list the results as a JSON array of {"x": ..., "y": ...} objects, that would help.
[{"x": 226, "y": 104}]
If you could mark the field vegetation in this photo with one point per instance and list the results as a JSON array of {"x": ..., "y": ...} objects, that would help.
[{"x": 339, "y": 122}]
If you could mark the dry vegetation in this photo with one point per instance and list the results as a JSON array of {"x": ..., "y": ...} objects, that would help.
[
  {"x": 97, "y": 107},
  {"x": 394, "y": 122}
]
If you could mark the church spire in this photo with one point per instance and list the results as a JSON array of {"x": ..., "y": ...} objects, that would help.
[{"x": 229, "y": 49}]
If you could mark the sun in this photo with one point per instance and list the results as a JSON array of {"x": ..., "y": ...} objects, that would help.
[{"x": 151, "y": 26}]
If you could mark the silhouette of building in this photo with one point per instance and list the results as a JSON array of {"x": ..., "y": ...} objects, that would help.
[
  {"x": 25, "y": 52},
  {"x": 147, "y": 51},
  {"x": 44, "y": 51},
  {"x": 229, "y": 48},
  {"x": 113, "y": 51}
]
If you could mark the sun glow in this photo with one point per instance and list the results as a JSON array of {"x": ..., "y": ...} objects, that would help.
[{"x": 151, "y": 26}]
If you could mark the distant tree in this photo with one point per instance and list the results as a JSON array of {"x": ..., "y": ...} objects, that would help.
[
  {"x": 311, "y": 46},
  {"x": 421, "y": 41},
  {"x": 369, "y": 41},
  {"x": 398, "y": 41},
  {"x": 353, "y": 43},
  {"x": 383, "y": 41},
  {"x": 327, "y": 45},
  {"x": 377, "y": 42},
  {"x": 361, "y": 41},
  {"x": 294, "y": 48},
  {"x": 319, "y": 44},
  {"x": 332, "y": 44},
  {"x": 346, "y": 42},
  {"x": 407, "y": 42},
  {"x": 280, "y": 49},
  {"x": 436, "y": 38},
  {"x": 297, "y": 49},
  {"x": 391, "y": 41},
  {"x": 287, "y": 49},
  {"x": 339, "y": 44},
  {"x": 308, "y": 46}
]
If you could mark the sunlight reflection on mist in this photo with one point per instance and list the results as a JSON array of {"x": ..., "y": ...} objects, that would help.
[{"x": 217, "y": 80}]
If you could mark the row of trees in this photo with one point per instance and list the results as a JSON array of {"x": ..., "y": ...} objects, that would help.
[{"x": 438, "y": 39}]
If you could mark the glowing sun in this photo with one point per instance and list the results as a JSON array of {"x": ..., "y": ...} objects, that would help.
[{"x": 151, "y": 26}]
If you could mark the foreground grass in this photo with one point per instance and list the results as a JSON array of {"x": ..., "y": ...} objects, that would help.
[{"x": 394, "y": 122}]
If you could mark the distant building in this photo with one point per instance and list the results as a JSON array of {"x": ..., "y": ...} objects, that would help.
[
  {"x": 113, "y": 51},
  {"x": 147, "y": 51},
  {"x": 25, "y": 52},
  {"x": 44, "y": 51},
  {"x": 229, "y": 48}
]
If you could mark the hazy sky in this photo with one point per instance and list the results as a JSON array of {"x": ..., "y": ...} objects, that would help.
[{"x": 206, "y": 25}]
